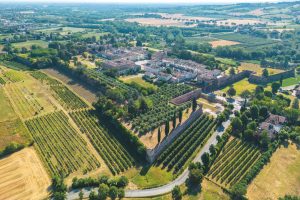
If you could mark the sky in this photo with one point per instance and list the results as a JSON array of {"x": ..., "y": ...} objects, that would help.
[{"x": 145, "y": 1}]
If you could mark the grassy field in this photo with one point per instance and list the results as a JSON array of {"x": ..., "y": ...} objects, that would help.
[
  {"x": 7, "y": 112},
  {"x": 241, "y": 86},
  {"x": 28, "y": 44},
  {"x": 245, "y": 40},
  {"x": 61, "y": 30},
  {"x": 148, "y": 177},
  {"x": 137, "y": 79},
  {"x": 257, "y": 69},
  {"x": 291, "y": 81},
  {"x": 281, "y": 176}
]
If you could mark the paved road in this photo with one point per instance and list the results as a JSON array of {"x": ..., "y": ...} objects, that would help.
[{"x": 74, "y": 194}]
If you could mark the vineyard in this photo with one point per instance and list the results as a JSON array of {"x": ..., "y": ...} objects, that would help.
[
  {"x": 14, "y": 76},
  {"x": 62, "y": 149},
  {"x": 2, "y": 81},
  {"x": 162, "y": 111},
  {"x": 67, "y": 98},
  {"x": 180, "y": 151},
  {"x": 232, "y": 164},
  {"x": 109, "y": 82},
  {"x": 112, "y": 152},
  {"x": 64, "y": 95},
  {"x": 24, "y": 100}
]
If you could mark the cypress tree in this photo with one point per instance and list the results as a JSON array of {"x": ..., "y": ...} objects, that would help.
[
  {"x": 180, "y": 116},
  {"x": 158, "y": 135},
  {"x": 174, "y": 121},
  {"x": 167, "y": 128},
  {"x": 194, "y": 105}
]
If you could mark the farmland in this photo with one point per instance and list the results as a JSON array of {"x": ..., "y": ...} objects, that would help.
[
  {"x": 180, "y": 151},
  {"x": 23, "y": 176},
  {"x": 221, "y": 43},
  {"x": 157, "y": 22},
  {"x": 162, "y": 111},
  {"x": 291, "y": 81},
  {"x": 115, "y": 156},
  {"x": 245, "y": 40},
  {"x": 285, "y": 175},
  {"x": 29, "y": 43},
  {"x": 234, "y": 161},
  {"x": 61, "y": 147}
]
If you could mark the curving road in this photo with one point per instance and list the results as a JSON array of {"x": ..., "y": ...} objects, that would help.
[{"x": 74, "y": 194}]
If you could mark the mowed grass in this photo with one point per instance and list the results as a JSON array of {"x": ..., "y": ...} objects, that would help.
[
  {"x": 148, "y": 177},
  {"x": 29, "y": 43},
  {"x": 257, "y": 69},
  {"x": 291, "y": 81},
  {"x": 281, "y": 176},
  {"x": 137, "y": 79},
  {"x": 241, "y": 86}
]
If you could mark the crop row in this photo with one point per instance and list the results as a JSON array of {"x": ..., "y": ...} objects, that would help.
[
  {"x": 112, "y": 152},
  {"x": 233, "y": 162},
  {"x": 181, "y": 150},
  {"x": 14, "y": 76},
  {"x": 67, "y": 98},
  {"x": 162, "y": 111},
  {"x": 60, "y": 146},
  {"x": 44, "y": 78},
  {"x": 24, "y": 100}
]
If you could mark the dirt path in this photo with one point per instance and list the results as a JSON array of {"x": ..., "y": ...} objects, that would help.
[{"x": 23, "y": 177}]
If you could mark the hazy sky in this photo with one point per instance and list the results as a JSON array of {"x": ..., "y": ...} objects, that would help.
[{"x": 144, "y": 1}]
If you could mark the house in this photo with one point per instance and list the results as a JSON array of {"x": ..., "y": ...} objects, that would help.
[
  {"x": 272, "y": 125},
  {"x": 121, "y": 65}
]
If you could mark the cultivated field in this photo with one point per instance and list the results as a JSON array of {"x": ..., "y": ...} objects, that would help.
[
  {"x": 281, "y": 176},
  {"x": 29, "y": 43},
  {"x": 233, "y": 162},
  {"x": 60, "y": 145},
  {"x": 23, "y": 177},
  {"x": 80, "y": 89},
  {"x": 115, "y": 156},
  {"x": 158, "y": 22},
  {"x": 221, "y": 43},
  {"x": 180, "y": 151}
]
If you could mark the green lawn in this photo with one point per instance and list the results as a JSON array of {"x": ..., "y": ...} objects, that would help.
[
  {"x": 241, "y": 86},
  {"x": 29, "y": 43},
  {"x": 137, "y": 79},
  {"x": 149, "y": 177},
  {"x": 291, "y": 81}
]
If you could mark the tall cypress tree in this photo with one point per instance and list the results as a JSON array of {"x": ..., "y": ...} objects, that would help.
[
  {"x": 158, "y": 135},
  {"x": 174, "y": 121},
  {"x": 194, "y": 105},
  {"x": 180, "y": 116},
  {"x": 167, "y": 128}
]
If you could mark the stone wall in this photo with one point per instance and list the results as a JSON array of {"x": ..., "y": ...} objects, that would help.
[
  {"x": 186, "y": 97},
  {"x": 152, "y": 154},
  {"x": 276, "y": 77}
]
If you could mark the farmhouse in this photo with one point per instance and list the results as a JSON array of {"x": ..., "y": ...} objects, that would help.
[{"x": 272, "y": 125}]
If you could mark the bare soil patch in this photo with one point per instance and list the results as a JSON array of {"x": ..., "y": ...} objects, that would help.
[{"x": 23, "y": 177}]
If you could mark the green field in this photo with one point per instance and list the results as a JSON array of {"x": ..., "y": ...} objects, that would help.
[
  {"x": 139, "y": 80},
  {"x": 61, "y": 30},
  {"x": 241, "y": 86},
  {"x": 29, "y": 43},
  {"x": 291, "y": 81},
  {"x": 245, "y": 40},
  {"x": 7, "y": 112}
]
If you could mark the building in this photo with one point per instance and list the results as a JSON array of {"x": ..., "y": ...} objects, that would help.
[
  {"x": 272, "y": 125},
  {"x": 122, "y": 66}
]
